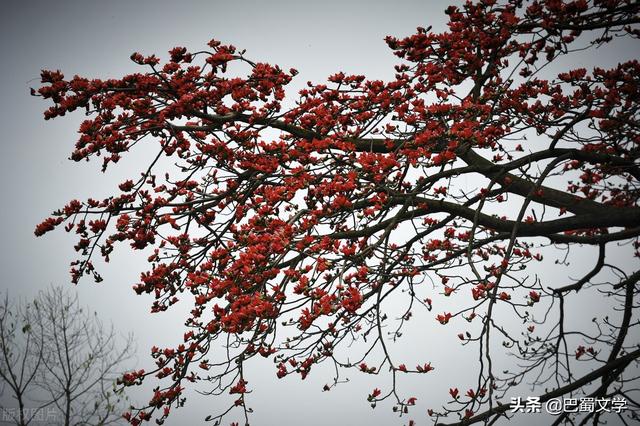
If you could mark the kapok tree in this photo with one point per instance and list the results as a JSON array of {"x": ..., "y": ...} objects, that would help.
[{"x": 290, "y": 225}]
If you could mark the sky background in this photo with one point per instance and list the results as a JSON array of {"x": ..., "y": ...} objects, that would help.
[{"x": 95, "y": 39}]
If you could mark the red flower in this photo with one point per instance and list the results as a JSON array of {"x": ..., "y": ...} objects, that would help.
[
  {"x": 240, "y": 387},
  {"x": 424, "y": 368},
  {"x": 376, "y": 393},
  {"x": 534, "y": 296},
  {"x": 47, "y": 225},
  {"x": 504, "y": 296},
  {"x": 444, "y": 318}
]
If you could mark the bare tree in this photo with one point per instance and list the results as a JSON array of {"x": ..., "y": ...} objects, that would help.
[
  {"x": 59, "y": 361},
  {"x": 21, "y": 359}
]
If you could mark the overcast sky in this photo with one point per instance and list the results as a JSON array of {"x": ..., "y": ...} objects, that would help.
[{"x": 95, "y": 39}]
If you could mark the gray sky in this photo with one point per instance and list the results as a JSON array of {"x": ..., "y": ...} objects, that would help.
[{"x": 95, "y": 39}]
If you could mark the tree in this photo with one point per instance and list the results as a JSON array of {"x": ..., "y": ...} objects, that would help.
[
  {"x": 291, "y": 226},
  {"x": 59, "y": 362},
  {"x": 21, "y": 358}
]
